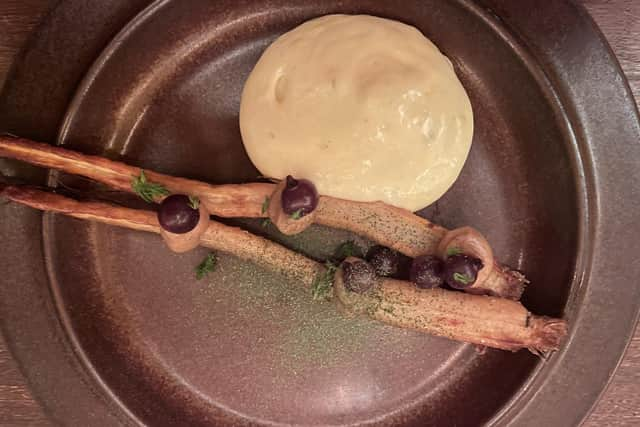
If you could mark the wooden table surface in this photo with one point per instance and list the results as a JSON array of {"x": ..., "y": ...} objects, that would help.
[{"x": 620, "y": 23}]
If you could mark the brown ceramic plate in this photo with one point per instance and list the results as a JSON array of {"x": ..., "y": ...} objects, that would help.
[{"x": 111, "y": 328}]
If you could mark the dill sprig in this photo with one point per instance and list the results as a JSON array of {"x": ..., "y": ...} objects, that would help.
[
  {"x": 194, "y": 202},
  {"x": 147, "y": 190},
  {"x": 454, "y": 251},
  {"x": 322, "y": 287},
  {"x": 348, "y": 249},
  {"x": 207, "y": 265},
  {"x": 465, "y": 279}
]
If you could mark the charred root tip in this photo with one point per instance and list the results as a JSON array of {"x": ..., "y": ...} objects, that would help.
[
  {"x": 514, "y": 285},
  {"x": 13, "y": 193},
  {"x": 11, "y": 187},
  {"x": 22, "y": 193},
  {"x": 518, "y": 284},
  {"x": 548, "y": 334}
]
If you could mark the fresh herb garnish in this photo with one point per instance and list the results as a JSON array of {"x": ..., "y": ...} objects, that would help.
[
  {"x": 206, "y": 266},
  {"x": 348, "y": 249},
  {"x": 462, "y": 278},
  {"x": 323, "y": 283},
  {"x": 454, "y": 251},
  {"x": 297, "y": 214},
  {"x": 194, "y": 202},
  {"x": 147, "y": 190},
  {"x": 266, "y": 222},
  {"x": 265, "y": 205}
]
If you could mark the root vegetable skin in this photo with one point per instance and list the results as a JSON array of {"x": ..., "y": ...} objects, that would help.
[
  {"x": 217, "y": 236},
  {"x": 483, "y": 320},
  {"x": 229, "y": 200},
  {"x": 387, "y": 225}
]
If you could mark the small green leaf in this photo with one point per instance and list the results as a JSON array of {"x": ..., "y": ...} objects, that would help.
[
  {"x": 454, "y": 251},
  {"x": 462, "y": 278},
  {"x": 194, "y": 202},
  {"x": 265, "y": 205},
  {"x": 322, "y": 287},
  {"x": 297, "y": 214},
  {"x": 207, "y": 265},
  {"x": 348, "y": 249},
  {"x": 147, "y": 190},
  {"x": 266, "y": 222}
]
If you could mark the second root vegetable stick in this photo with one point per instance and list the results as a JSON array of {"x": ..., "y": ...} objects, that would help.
[
  {"x": 490, "y": 321},
  {"x": 235, "y": 241}
]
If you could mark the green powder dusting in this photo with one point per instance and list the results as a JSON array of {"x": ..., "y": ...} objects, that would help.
[
  {"x": 301, "y": 333},
  {"x": 324, "y": 337},
  {"x": 277, "y": 319}
]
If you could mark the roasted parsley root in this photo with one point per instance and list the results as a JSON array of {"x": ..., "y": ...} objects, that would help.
[
  {"x": 489, "y": 321},
  {"x": 387, "y": 225},
  {"x": 217, "y": 236},
  {"x": 478, "y": 319}
]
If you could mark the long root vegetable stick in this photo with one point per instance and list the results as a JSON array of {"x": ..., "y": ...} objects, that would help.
[
  {"x": 390, "y": 226},
  {"x": 235, "y": 241},
  {"x": 489, "y": 321},
  {"x": 229, "y": 200},
  {"x": 483, "y": 320}
]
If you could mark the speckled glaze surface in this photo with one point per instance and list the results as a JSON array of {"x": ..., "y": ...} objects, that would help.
[{"x": 112, "y": 328}]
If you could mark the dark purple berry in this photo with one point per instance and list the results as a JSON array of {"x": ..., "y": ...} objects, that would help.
[
  {"x": 178, "y": 214},
  {"x": 461, "y": 271},
  {"x": 426, "y": 271},
  {"x": 385, "y": 261},
  {"x": 358, "y": 276},
  {"x": 299, "y": 197}
]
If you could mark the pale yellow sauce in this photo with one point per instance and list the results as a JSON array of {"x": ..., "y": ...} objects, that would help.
[{"x": 367, "y": 108}]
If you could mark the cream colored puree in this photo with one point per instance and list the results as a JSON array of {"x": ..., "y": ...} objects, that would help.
[{"x": 366, "y": 108}]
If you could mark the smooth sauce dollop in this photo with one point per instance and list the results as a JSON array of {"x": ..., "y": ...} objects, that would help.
[{"x": 366, "y": 108}]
